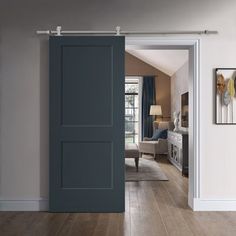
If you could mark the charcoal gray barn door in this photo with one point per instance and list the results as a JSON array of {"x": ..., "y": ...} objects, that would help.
[{"x": 86, "y": 124}]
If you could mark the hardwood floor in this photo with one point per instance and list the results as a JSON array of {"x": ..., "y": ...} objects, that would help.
[{"x": 152, "y": 208}]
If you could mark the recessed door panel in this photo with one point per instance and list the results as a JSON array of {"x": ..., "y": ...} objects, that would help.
[{"x": 87, "y": 93}]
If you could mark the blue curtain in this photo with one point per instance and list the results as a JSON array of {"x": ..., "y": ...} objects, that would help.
[{"x": 148, "y": 99}]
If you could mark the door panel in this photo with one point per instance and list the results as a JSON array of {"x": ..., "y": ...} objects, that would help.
[
  {"x": 98, "y": 85},
  {"x": 77, "y": 172},
  {"x": 87, "y": 124}
]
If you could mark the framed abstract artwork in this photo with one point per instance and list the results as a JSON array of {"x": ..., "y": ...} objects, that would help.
[{"x": 225, "y": 96}]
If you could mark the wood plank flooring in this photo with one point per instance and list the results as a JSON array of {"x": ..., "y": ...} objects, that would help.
[{"x": 153, "y": 208}]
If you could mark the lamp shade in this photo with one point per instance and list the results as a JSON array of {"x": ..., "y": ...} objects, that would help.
[{"x": 155, "y": 110}]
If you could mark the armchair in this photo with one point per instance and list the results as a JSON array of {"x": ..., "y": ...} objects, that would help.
[{"x": 159, "y": 146}]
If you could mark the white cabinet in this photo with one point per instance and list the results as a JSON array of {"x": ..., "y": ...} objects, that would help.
[{"x": 178, "y": 150}]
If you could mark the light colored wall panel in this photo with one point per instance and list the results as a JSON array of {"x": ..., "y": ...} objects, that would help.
[{"x": 179, "y": 85}]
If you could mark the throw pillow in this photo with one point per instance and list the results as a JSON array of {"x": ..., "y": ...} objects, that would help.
[{"x": 159, "y": 133}]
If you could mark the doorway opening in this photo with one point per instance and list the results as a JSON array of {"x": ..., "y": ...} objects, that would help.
[
  {"x": 78, "y": 134},
  {"x": 184, "y": 105}
]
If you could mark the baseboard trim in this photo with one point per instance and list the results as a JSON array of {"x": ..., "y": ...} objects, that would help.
[
  {"x": 24, "y": 205},
  {"x": 214, "y": 204},
  {"x": 42, "y": 205}
]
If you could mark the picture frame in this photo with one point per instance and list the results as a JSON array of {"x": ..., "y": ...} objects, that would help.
[{"x": 225, "y": 96}]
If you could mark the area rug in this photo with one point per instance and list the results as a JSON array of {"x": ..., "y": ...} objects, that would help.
[{"x": 149, "y": 170}]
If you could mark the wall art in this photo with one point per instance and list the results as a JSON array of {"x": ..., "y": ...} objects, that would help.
[{"x": 225, "y": 98}]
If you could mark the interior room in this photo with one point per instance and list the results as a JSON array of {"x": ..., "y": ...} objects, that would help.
[
  {"x": 117, "y": 117},
  {"x": 156, "y": 114}
]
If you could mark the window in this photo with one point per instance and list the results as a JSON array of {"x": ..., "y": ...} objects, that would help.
[{"x": 131, "y": 110}]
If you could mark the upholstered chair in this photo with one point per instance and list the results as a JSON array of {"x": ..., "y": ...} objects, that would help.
[{"x": 159, "y": 146}]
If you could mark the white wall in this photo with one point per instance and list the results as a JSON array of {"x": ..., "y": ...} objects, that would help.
[
  {"x": 179, "y": 85},
  {"x": 24, "y": 81}
]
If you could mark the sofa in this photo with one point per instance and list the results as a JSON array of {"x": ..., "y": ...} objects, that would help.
[{"x": 156, "y": 147}]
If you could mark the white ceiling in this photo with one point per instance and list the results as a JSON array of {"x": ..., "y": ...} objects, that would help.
[{"x": 168, "y": 61}]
